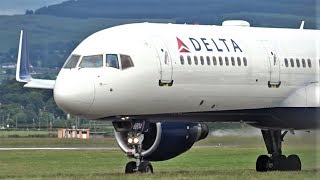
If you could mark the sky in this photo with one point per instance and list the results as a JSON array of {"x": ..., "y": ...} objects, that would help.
[{"x": 11, "y": 7}]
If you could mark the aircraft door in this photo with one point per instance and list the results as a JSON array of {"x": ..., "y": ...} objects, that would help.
[
  {"x": 274, "y": 63},
  {"x": 163, "y": 54}
]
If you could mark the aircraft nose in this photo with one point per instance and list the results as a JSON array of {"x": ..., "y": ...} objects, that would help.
[{"x": 74, "y": 95}]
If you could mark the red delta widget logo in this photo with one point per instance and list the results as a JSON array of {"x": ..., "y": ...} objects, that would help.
[{"x": 209, "y": 44}]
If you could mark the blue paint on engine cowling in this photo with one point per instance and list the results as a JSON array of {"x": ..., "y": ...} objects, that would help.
[{"x": 176, "y": 138}]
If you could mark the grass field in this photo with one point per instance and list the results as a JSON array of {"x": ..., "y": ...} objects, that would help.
[
  {"x": 5, "y": 134},
  {"x": 233, "y": 159},
  {"x": 55, "y": 142}
]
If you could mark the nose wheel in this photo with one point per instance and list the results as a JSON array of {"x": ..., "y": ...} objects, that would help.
[
  {"x": 131, "y": 167},
  {"x": 144, "y": 167}
]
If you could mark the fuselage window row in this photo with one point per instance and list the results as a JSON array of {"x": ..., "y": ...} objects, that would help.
[
  {"x": 297, "y": 63},
  {"x": 222, "y": 61}
]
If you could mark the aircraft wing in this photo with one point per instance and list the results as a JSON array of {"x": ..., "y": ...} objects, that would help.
[{"x": 23, "y": 68}]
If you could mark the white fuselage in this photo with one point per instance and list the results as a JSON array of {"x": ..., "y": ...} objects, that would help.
[{"x": 156, "y": 49}]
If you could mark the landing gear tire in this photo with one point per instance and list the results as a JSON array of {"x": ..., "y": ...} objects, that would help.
[
  {"x": 294, "y": 163},
  {"x": 131, "y": 167},
  {"x": 283, "y": 163},
  {"x": 145, "y": 167},
  {"x": 278, "y": 163},
  {"x": 262, "y": 163}
]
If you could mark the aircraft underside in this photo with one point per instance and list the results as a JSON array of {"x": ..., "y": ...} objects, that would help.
[{"x": 291, "y": 118}]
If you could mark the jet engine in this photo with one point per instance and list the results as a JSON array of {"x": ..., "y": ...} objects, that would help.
[{"x": 157, "y": 141}]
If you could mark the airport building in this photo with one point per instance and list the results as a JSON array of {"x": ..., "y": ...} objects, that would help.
[{"x": 74, "y": 133}]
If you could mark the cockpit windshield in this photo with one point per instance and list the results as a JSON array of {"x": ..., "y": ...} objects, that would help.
[
  {"x": 94, "y": 61},
  {"x": 117, "y": 61},
  {"x": 126, "y": 61},
  {"x": 72, "y": 62},
  {"x": 112, "y": 61}
]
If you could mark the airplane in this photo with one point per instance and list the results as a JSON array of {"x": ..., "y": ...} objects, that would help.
[{"x": 160, "y": 83}]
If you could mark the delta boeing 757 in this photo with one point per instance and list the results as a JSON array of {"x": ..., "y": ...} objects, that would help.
[{"x": 159, "y": 83}]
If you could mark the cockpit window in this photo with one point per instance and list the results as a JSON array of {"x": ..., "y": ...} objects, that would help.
[
  {"x": 91, "y": 61},
  {"x": 112, "y": 61},
  {"x": 126, "y": 61},
  {"x": 72, "y": 62}
]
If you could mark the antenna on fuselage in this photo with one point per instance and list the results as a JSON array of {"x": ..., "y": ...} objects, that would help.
[{"x": 302, "y": 25}]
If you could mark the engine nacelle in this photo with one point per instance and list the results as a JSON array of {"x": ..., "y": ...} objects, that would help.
[{"x": 162, "y": 140}]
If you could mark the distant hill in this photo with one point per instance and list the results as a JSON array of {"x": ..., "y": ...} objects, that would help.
[
  {"x": 20, "y": 6},
  {"x": 287, "y": 13},
  {"x": 51, "y": 39}
]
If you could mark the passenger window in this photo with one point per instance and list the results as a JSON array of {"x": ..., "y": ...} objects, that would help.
[
  {"x": 286, "y": 62},
  {"x": 233, "y": 61},
  {"x": 227, "y": 61},
  {"x": 303, "y": 63},
  {"x": 214, "y": 60},
  {"x": 298, "y": 62},
  {"x": 72, "y": 62},
  {"x": 245, "y": 63},
  {"x": 208, "y": 60},
  {"x": 189, "y": 60},
  {"x": 201, "y": 60},
  {"x": 126, "y": 61},
  {"x": 91, "y": 61},
  {"x": 309, "y": 63},
  {"x": 181, "y": 60},
  {"x": 195, "y": 60},
  {"x": 220, "y": 61},
  {"x": 239, "y": 61},
  {"x": 292, "y": 62},
  {"x": 112, "y": 61}
]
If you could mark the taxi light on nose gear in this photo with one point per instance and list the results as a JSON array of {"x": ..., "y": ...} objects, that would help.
[
  {"x": 130, "y": 140},
  {"x": 135, "y": 140}
]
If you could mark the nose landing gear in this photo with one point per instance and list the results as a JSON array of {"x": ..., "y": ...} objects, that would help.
[
  {"x": 134, "y": 131},
  {"x": 139, "y": 165}
]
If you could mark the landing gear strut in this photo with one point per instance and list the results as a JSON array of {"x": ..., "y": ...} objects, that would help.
[{"x": 277, "y": 161}]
